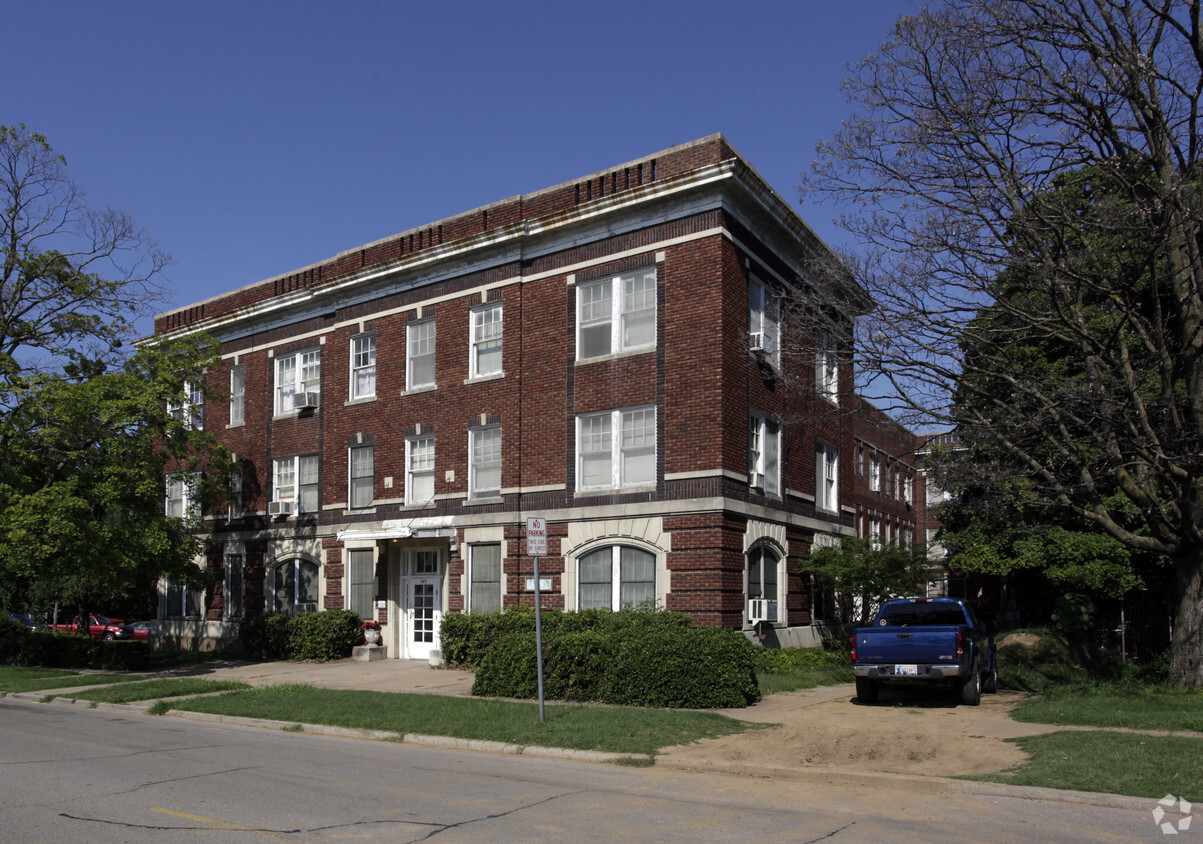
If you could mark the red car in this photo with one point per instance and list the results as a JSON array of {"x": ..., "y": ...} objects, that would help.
[{"x": 101, "y": 627}]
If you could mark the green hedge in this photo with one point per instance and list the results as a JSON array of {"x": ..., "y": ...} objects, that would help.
[
  {"x": 628, "y": 658},
  {"x": 21, "y": 646},
  {"x": 319, "y": 636}
]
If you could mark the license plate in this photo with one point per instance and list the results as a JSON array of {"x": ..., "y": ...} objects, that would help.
[{"x": 907, "y": 670}]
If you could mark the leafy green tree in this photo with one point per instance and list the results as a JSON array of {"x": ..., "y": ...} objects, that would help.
[
  {"x": 86, "y": 438},
  {"x": 863, "y": 575},
  {"x": 1023, "y": 176}
]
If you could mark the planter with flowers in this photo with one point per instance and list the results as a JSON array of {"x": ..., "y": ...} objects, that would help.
[{"x": 371, "y": 632}]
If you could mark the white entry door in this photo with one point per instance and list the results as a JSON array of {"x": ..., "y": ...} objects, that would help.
[{"x": 423, "y": 614}]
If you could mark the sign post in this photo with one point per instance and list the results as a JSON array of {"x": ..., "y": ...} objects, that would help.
[{"x": 536, "y": 546}]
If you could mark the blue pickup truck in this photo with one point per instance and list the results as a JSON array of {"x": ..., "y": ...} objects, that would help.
[{"x": 925, "y": 641}]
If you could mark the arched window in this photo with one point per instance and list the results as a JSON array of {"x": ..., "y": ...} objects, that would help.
[
  {"x": 294, "y": 585},
  {"x": 762, "y": 577},
  {"x": 616, "y": 577}
]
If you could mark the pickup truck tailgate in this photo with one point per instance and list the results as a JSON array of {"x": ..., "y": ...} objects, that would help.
[{"x": 906, "y": 644}]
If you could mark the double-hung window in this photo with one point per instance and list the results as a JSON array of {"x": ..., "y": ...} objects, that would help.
[
  {"x": 874, "y": 473},
  {"x": 484, "y": 473},
  {"x": 183, "y": 500},
  {"x": 616, "y": 577},
  {"x": 234, "y": 587},
  {"x": 827, "y": 478},
  {"x": 764, "y": 450},
  {"x": 419, "y": 355},
  {"x": 190, "y": 408},
  {"x": 419, "y": 469},
  {"x": 361, "y": 467},
  {"x": 484, "y": 593},
  {"x": 875, "y": 533},
  {"x": 908, "y": 489},
  {"x": 616, "y": 315},
  {"x": 295, "y": 479},
  {"x": 616, "y": 449},
  {"x": 485, "y": 354},
  {"x": 183, "y": 601},
  {"x": 764, "y": 321},
  {"x": 298, "y": 380},
  {"x": 827, "y": 368},
  {"x": 362, "y": 577},
  {"x": 237, "y": 395},
  {"x": 363, "y": 366}
]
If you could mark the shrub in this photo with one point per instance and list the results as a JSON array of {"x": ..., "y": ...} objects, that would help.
[
  {"x": 789, "y": 660},
  {"x": 320, "y": 636},
  {"x": 20, "y": 646}
]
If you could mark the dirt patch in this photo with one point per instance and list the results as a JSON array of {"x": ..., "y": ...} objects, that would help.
[
  {"x": 1028, "y": 640},
  {"x": 906, "y": 732}
]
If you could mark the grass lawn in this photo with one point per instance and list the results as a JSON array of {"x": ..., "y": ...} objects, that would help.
[
  {"x": 15, "y": 679},
  {"x": 156, "y": 689},
  {"x": 1112, "y": 763},
  {"x": 580, "y": 727},
  {"x": 1135, "y": 707}
]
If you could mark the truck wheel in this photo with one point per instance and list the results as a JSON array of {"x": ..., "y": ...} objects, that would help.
[
  {"x": 866, "y": 690},
  {"x": 971, "y": 689},
  {"x": 991, "y": 685},
  {"x": 108, "y": 637}
]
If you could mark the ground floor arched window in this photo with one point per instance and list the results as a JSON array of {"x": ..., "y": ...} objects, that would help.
[
  {"x": 616, "y": 577},
  {"x": 763, "y": 563},
  {"x": 294, "y": 586}
]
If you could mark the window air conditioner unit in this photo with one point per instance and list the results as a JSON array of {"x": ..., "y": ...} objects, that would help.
[
  {"x": 756, "y": 341},
  {"x": 762, "y": 609},
  {"x": 281, "y": 508},
  {"x": 305, "y": 401}
]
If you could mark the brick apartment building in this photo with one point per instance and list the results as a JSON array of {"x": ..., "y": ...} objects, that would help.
[{"x": 604, "y": 353}]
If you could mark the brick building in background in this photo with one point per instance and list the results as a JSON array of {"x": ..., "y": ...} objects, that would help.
[{"x": 604, "y": 354}]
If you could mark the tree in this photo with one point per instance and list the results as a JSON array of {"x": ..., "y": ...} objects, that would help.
[
  {"x": 863, "y": 576},
  {"x": 85, "y": 432},
  {"x": 1033, "y": 166}
]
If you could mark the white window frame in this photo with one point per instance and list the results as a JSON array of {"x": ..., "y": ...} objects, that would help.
[
  {"x": 757, "y": 555},
  {"x": 185, "y": 597},
  {"x": 874, "y": 473},
  {"x": 237, "y": 394},
  {"x": 875, "y": 533},
  {"x": 421, "y": 339},
  {"x": 363, "y": 365},
  {"x": 419, "y": 464},
  {"x": 182, "y": 496},
  {"x": 827, "y": 367},
  {"x": 477, "y": 585},
  {"x": 619, "y": 437},
  {"x": 611, "y": 307},
  {"x": 827, "y": 478},
  {"x": 190, "y": 408},
  {"x": 362, "y": 585},
  {"x": 296, "y": 374},
  {"x": 484, "y": 458},
  {"x": 764, "y": 321},
  {"x": 764, "y": 454},
  {"x": 487, "y": 332},
  {"x": 234, "y": 590},
  {"x": 615, "y": 602},
  {"x": 235, "y": 506},
  {"x": 294, "y": 605},
  {"x": 288, "y": 473},
  {"x": 908, "y": 489},
  {"x": 357, "y": 480}
]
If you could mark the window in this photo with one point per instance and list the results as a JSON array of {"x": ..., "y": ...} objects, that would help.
[
  {"x": 485, "y": 354},
  {"x": 908, "y": 489},
  {"x": 294, "y": 587},
  {"x": 875, "y": 533},
  {"x": 298, "y": 380},
  {"x": 419, "y": 470},
  {"x": 764, "y": 448},
  {"x": 616, "y": 577},
  {"x": 484, "y": 590},
  {"x": 419, "y": 355},
  {"x": 362, "y": 576},
  {"x": 484, "y": 473},
  {"x": 874, "y": 473},
  {"x": 616, "y": 449},
  {"x": 190, "y": 409},
  {"x": 295, "y": 479},
  {"x": 234, "y": 495},
  {"x": 182, "y": 499},
  {"x": 183, "y": 601},
  {"x": 234, "y": 586},
  {"x": 827, "y": 478},
  {"x": 237, "y": 395},
  {"x": 827, "y": 368},
  {"x": 360, "y": 462},
  {"x": 616, "y": 315},
  {"x": 764, "y": 321},
  {"x": 363, "y": 366},
  {"x": 762, "y": 578}
]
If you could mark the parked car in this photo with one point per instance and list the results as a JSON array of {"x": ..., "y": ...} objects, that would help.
[
  {"x": 137, "y": 630},
  {"x": 100, "y": 627},
  {"x": 21, "y": 618},
  {"x": 925, "y": 641}
]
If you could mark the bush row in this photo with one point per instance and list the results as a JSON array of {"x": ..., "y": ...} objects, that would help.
[
  {"x": 789, "y": 660},
  {"x": 319, "y": 636},
  {"x": 21, "y": 646},
  {"x": 629, "y": 658}
]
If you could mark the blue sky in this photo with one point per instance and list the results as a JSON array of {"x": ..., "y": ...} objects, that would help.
[{"x": 253, "y": 138}]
